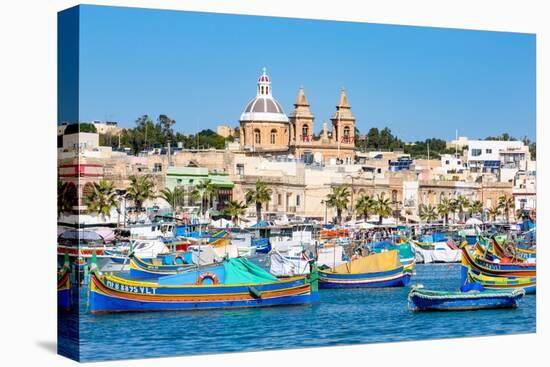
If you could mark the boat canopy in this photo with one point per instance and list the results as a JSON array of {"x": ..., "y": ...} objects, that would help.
[
  {"x": 241, "y": 271},
  {"x": 383, "y": 261}
]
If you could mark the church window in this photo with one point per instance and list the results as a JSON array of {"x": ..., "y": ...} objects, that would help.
[
  {"x": 257, "y": 137},
  {"x": 305, "y": 133},
  {"x": 273, "y": 136}
]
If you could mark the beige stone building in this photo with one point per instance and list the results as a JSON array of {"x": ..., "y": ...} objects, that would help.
[
  {"x": 225, "y": 131},
  {"x": 266, "y": 129}
]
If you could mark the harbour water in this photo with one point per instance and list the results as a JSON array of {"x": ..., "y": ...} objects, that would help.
[{"x": 344, "y": 316}]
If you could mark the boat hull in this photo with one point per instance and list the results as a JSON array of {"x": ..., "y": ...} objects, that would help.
[
  {"x": 419, "y": 301},
  {"x": 113, "y": 295},
  {"x": 64, "y": 291},
  {"x": 143, "y": 268},
  {"x": 393, "y": 278}
]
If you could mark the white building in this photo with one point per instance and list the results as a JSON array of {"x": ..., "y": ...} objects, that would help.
[{"x": 492, "y": 155}]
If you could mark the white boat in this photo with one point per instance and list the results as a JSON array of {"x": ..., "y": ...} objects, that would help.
[
  {"x": 151, "y": 230},
  {"x": 441, "y": 253}
]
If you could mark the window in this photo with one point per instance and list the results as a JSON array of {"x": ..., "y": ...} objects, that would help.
[
  {"x": 476, "y": 152},
  {"x": 257, "y": 137},
  {"x": 273, "y": 136},
  {"x": 240, "y": 169},
  {"x": 297, "y": 200},
  {"x": 346, "y": 131},
  {"x": 488, "y": 151},
  {"x": 157, "y": 167},
  {"x": 447, "y": 162},
  {"x": 305, "y": 133},
  {"x": 279, "y": 199}
]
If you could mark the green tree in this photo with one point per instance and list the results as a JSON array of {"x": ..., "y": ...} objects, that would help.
[
  {"x": 476, "y": 207},
  {"x": 208, "y": 193},
  {"x": 102, "y": 198},
  {"x": 365, "y": 205},
  {"x": 66, "y": 197},
  {"x": 506, "y": 203},
  {"x": 175, "y": 198},
  {"x": 493, "y": 212},
  {"x": 427, "y": 213},
  {"x": 382, "y": 207},
  {"x": 235, "y": 209},
  {"x": 262, "y": 194},
  {"x": 444, "y": 208},
  {"x": 82, "y": 127},
  {"x": 140, "y": 190},
  {"x": 462, "y": 203},
  {"x": 338, "y": 198}
]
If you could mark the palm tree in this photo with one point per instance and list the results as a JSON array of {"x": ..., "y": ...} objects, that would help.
[
  {"x": 235, "y": 209},
  {"x": 364, "y": 205},
  {"x": 382, "y": 207},
  {"x": 102, "y": 198},
  {"x": 521, "y": 214},
  {"x": 140, "y": 190},
  {"x": 444, "y": 208},
  {"x": 427, "y": 213},
  {"x": 208, "y": 191},
  {"x": 506, "y": 203},
  {"x": 262, "y": 194},
  {"x": 476, "y": 207},
  {"x": 453, "y": 207},
  {"x": 493, "y": 212},
  {"x": 339, "y": 199},
  {"x": 462, "y": 203},
  {"x": 174, "y": 197},
  {"x": 66, "y": 197}
]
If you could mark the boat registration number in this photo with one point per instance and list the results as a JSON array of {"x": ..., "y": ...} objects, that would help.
[{"x": 130, "y": 288}]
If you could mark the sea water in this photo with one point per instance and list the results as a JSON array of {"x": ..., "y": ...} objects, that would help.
[{"x": 344, "y": 316}]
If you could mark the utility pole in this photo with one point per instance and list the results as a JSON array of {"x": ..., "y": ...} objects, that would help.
[{"x": 428, "y": 143}]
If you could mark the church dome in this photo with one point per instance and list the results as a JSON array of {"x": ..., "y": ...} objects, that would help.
[{"x": 264, "y": 107}]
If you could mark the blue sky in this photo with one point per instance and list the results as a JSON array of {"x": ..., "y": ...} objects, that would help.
[{"x": 201, "y": 69}]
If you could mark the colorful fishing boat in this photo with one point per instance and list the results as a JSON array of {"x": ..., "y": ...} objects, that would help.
[
  {"x": 166, "y": 265},
  {"x": 238, "y": 283},
  {"x": 376, "y": 270},
  {"x": 430, "y": 300},
  {"x": 527, "y": 283},
  {"x": 406, "y": 254},
  {"x": 480, "y": 264},
  {"x": 64, "y": 286}
]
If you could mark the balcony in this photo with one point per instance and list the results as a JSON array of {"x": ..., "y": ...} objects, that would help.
[
  {"x": 347, "y": 139},
  {"x": 306, "y": 138}
]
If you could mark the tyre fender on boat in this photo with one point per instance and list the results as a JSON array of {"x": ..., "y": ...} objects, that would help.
[
  {"x": 175, "y": 261},
  {"x": 208, "y": 275}
]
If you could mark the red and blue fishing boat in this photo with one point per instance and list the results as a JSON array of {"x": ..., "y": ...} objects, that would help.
[
  {"x": 64, "y": 286},
  {"x": 376, "y": 270},
  {"x": 236, "y": 283}
]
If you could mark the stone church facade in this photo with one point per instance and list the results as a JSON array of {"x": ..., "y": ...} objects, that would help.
[{"x": 266, "y": 129}]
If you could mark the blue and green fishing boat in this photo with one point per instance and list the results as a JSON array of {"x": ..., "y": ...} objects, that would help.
[
  {"x": 430, "y": 300},
  {"x": 168, "y": 264},
  {"x": 236, "y": 283}
]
